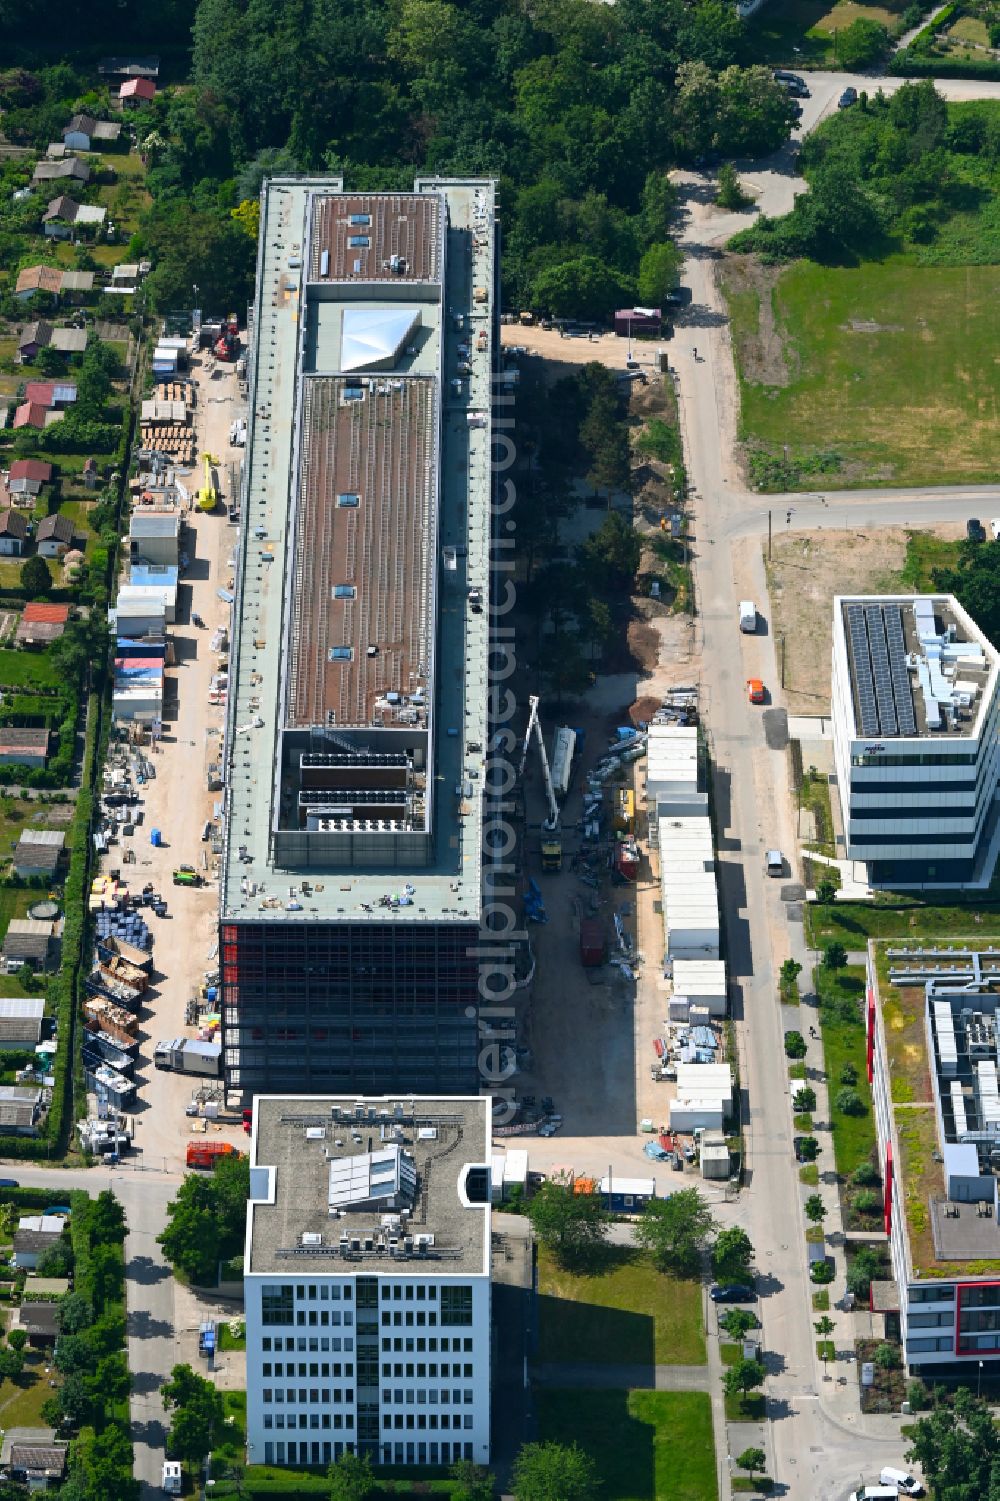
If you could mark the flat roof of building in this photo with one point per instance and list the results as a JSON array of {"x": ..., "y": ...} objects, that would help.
[
  {"x": 412, "y": 549},
  {"x": 943, "y": 1001},
  {"x": 327, "y": 1172},
  {"x": 376, "y": 237},
  {"x": 363, "y": 559},
  {"x": 919, "y": 665}
]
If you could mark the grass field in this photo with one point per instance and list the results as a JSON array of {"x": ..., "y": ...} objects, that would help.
[
  {"x": 844, "y": 1043},
  {"x": 648, "y": 1446},
  {"x": 22, "y": 669},
  {"x": 21, "y": 1401},
  {"x": 805, "y": 31},
  {"x": 890, "y": 365},
  {"x": 632, "y": 1315},
  {"x": 853, "y": 923}
]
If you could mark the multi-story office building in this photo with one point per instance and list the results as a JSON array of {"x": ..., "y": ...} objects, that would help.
[
  {"x": 350, "y": 890},
  {"x": 916, "y": 739},
  {"x": 933, "y": 1068},
  {"x": 367, "y": 1280}
]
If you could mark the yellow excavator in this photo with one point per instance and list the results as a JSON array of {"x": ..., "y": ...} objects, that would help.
[{"x": 208, "y": 496}]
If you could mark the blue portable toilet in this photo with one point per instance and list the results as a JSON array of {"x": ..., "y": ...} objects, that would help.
[{"x": 154, "y": 838}]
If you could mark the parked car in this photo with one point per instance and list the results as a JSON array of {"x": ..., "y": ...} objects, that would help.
[
  {"x": 755, "y": 690},
  {"x": 9, "y": 1183},
  {"x": 995, "y": 528},
  {"x": 732, "y": 1292},
  {"x": 974, "y": 530},
  {"x": 774, "y": 863},
  {"x": 905, "y": 1483},
  {"x": 847, "y": 98}
]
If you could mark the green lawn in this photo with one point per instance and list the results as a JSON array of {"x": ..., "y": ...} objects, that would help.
[
  {"x": 853, "y": 923},
  {"x": 748, "y": 1409},
  {"x": 22, "y": 669},
  {"x": 924, "y": 553},
  {"x": 21, "y": 1401},
  {"x": 844, "y": 1043},
  {"x": 632, "y": 1315},
  {"x": 804, "y": 32},
  {"x": 229, "y": 1341},
  {"x": 891, "y": 368},
  {"x": 648, "y": 1446}
]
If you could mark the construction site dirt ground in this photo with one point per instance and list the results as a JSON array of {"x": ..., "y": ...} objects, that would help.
[
  {"x": 178, "y": 803},
  {"x": 805, "y": 571}
]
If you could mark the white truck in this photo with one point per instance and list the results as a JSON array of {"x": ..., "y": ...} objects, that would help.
[
  {"x": 748, "y": 615},
  {"x": 182, "y": 1055}
]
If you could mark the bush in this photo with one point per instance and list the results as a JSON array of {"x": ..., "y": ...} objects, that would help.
[
  {"x": 866, "y": 1175},
  {"x": 862, "y": 44},
  {"x": 849, "y": 1102},
  {"x": 795, "y": 1045},
  {"x": 848, "y": 1074},
  {"x": 867, "y": 1201},
  {"x": 886, "y": 1357}
]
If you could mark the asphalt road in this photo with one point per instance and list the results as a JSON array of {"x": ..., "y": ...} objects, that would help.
[{"x": 819, "y": 1445}]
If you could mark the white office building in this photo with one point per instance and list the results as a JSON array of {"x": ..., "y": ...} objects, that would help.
[
  {"x": 915, "y": 731},
  {"x": 367, "y": 1280}
]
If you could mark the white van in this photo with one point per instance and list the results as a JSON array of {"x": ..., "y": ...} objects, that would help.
[
  {"x": 876, "y": 1493},
  {"x": 904, "y": 1482},
  {"x": 748, "y": 615}
]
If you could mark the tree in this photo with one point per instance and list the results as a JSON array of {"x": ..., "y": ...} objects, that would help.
[
  {"x": 790, "y": 971},
  {"x": 744, "y": 1376},
  {"x": 571, "y": 1225},
  {"x": 752, "y": 1460},
  {"x": 815, "y": 1209},
  {"x": 731, "y": 194},
  {"x": 732, "y": 1256},
  {"x": 659, "y": 273},
  {"x": 804, "y": 1099},
  {"x": 958, "y": 1449},
  {"x": 17, "y": 1339},
  {"x": 554, "y": 1472},
  {"x": 675, "y": 1231},
  {"x": 825, "y": 1326},
  {"x": 74, "y": 1398},
  {"x": 834, "y": 956},
  {"x": 472, "y": 1482},
  {"x": 205, "y": 1219},
  {"x": 738, "y": 1322},
  {"x": 849, "y": 1102},
  {"x": 865, "y": 1266},
  {"x": 795, "y": 1045},
  {"x": 106, "y": 1219},
  {"x": 197, "y": 1413},
  {"x": 11, "y": 1363},
  {"x": 886, "y": 1357},
  {"x": 351, "y": 1478},
  {"x": 807, "y": 1148},
  {"x": 821, "y": 1272},
  {"x": 862, "y": 44},
  {"x": 826, "y": 892},
  {"x": 866, "y": 1175},
  {"x": 848, "y": 1074},
  {"x": 35, "y": 576},
  {"x": 582, "y": 287}
]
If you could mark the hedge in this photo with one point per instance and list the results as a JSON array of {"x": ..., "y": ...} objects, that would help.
[{"x": 63, "y": 990}]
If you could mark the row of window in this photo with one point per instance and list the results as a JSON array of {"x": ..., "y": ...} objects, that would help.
[
  {"x": 409, "y": 1396},
  {"x": 408, "y": 1344},
  {"x": 928, "y": 1346},
  {"x": 312, "y": 1342},
  {"x": 933, "y": 1320},
  {"x": 304, "y": 1395},
  {"x": 930, "y": 1294},
  {"x": 980, "y": 1297},
  {"x": 315, "y": 1368},
  {"x": 420, "y": 1369},
  {"x": 431, "y": 1420},
  {"x": 308, "y": 1420},
  {"x": 298, "y": 1453}
]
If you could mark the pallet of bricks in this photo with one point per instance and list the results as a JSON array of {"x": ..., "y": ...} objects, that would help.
[{"x": 166, "y": 423}]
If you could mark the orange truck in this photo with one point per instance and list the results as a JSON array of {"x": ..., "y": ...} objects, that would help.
[{"x": 207, "y": 1153}]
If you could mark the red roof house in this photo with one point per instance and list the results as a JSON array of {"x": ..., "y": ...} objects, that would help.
[
  {"x": 30, "y": 414},
  {"x": 137, "y": 91},
  {"x": 31, "y": 471}
]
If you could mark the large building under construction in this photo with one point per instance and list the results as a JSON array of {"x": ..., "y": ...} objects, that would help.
[{"x": 350, "y": 889}]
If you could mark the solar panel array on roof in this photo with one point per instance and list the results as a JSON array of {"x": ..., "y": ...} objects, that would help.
[
  {"x": 901, "y": 689},
  {"x": 881, "y": 678},
  {"x": 861, "y": 659}
]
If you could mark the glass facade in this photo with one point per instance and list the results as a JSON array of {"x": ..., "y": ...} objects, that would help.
[{"x": 350, "y": 1007}]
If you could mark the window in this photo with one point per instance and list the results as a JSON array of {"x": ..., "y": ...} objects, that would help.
[
  {"x": 358, "y": 242},
  {"x": 340, "y": 653},
  {"x": 456, "y": 1305},
  {"x": 349, "y": 500},
  {"x": 276, "y": 1303},
  {"x": 359, "y": 219}
]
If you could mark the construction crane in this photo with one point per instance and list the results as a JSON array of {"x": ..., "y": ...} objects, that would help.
[
  {"x": 208, "y": 495},
  {"x": 551, "y": 845}
]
